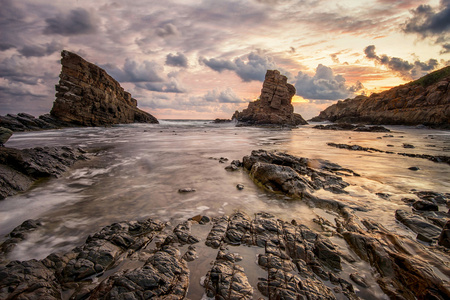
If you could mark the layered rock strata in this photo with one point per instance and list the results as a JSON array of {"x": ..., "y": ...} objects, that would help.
[
  {"x": 87, "y": 96},
  {"x": 425, "y": 101},
  {"x": 274, "y": 105},
  {"x": 19, "y": 169},
  {"x": 27, "y": 122}
]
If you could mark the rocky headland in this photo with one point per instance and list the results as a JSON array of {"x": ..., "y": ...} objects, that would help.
[
  {"x": 85, "y": 96},
  {"x": 273, "y": 106},
  {"x": 425, "y": 101}
]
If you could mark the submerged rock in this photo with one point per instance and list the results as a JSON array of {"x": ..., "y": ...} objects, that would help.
[
  {"x": 20, "y": 168},
  {"x": 274, "y": 105},
  {"x": 347, "y": 126}
]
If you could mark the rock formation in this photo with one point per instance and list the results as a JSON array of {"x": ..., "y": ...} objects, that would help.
[
  {"x": 424, "y": 101},
  {"x": 88, "y": 96},
  {"x": 274, "y": 105},
  {"x": 19, "y": 169}
]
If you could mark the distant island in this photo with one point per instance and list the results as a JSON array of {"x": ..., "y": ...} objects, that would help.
[{"x": 425, "y": 101}]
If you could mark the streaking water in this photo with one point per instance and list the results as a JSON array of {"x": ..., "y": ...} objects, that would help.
[{"x": 138, "y": 169}]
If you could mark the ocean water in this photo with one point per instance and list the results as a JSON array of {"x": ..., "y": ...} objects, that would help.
[{"x": 137, "y": 169}]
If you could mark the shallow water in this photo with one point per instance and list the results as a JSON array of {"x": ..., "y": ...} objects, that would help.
[{"x": 138, "y": 169}]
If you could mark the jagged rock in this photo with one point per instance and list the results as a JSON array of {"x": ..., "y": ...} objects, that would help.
[
  {"x": 425, "y": 205},
  {"x": 425, "y": 231},
  {"x": 424, "y": 101},
  {"x": 87, "y": 96},
  {"x": 20, "y": 168},
  {"x": 274, "y": 105},
  {"x": 227, "y": 280},
  {"x": 295, "y": 176},
  {"x": 17, "y": 235},
  {"x": 164, "y": 276},
  {"x": 444, "y": 237}
]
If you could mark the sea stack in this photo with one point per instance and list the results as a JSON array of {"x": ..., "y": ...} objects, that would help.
[
  {"x": 88, "y": 96},
  {"x": 273, "y": 106},
  {"x": 425, "y": 101}
]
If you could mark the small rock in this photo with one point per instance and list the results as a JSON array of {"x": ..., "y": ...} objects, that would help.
[
  {"x": 425, "y": 205},
  {"x": 414, "y": 168},
  {"x": 240, "y": 186},
  {"x": 186, "y": 190},
  {"x": 405, "y": 145},
  {"x": 444, "y": 237},
  {"x": 359, "y": 280}
]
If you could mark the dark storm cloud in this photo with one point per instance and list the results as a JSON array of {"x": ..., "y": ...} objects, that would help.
[
  {"x": 39, "y": 51},
  {"x": 166, "y": 30},
  {"x": 406, "y": 69},
  {"x": 251, "y": 67},
  {"x": 178, "y": 60},
  {"x": 324, "y": 85},
  {"x": 77, "y": 21},
  {"x": 428, "y": 22}
]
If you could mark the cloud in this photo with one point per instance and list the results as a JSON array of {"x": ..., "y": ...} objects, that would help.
[
  {"x": 167, "y": 30},
  {"x": 429, "y": 22},
  {"x": 39, "y": 51},
  {"x": 225, "y": 96},
  {"x": 132, "y": 71},
  {"x": 178, "y": 60},
  {"x": 324, "y": 85},
  {"x": 148, "y": 75},
  {"x": 77, "y": 21},
  {"x": 249, "y": 67},
  {"x": 406, "y": 69}
]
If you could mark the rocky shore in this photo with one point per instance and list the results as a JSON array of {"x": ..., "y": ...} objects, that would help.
[
  {"x": 425, "y": 101},
  {"x": 19, "y": 169},
  {"x": 151, "y": 259}
]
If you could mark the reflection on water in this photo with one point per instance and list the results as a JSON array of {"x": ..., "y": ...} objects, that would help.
[{"x": 138, "y": 169}]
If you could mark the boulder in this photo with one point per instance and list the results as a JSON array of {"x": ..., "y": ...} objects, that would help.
[
  {"x": 274, "y": 105},
  {"x": 425, "y": 101},
  {"x": 88, "y": 96}
]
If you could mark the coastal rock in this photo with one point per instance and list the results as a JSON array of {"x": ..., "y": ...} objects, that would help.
[
  {"x": 5, "y": 134},
  {"x": 20, "y": 168},
  {"x": 27, "y": 122},
  {"x": 444, "y": 237},
  {"x": 424, "y": 101},
  {"x": 346, "y": 126},
  {"x": 295, "y": 176},
  {"x": 273, "y": 106},
  {"x": 426, "y": 231},
  {"x": 87, "y": 96}
]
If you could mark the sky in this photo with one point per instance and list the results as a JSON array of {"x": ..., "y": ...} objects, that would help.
[{"x": 189, "y": 59}]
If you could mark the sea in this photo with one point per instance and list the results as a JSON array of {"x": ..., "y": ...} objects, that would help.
[{"x": 135, "y": 171}]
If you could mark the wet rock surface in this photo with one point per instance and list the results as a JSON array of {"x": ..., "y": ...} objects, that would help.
[
  {"x": 251, "y": 257},
  {"x": 434, "y": 158},
  {"x": 274, "y": 105},
  {"x": 27, "y": 122},
  {"x": 19, "y": 169},
  {"x": 347, "y": 126},
  {"x": 295, "y": 176}
]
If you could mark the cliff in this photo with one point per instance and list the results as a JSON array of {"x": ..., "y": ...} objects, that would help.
[
  {"x": 274, "y": 105},
  {"x": 86, "y": 95},
  {"x": 424, "y": 101}
]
